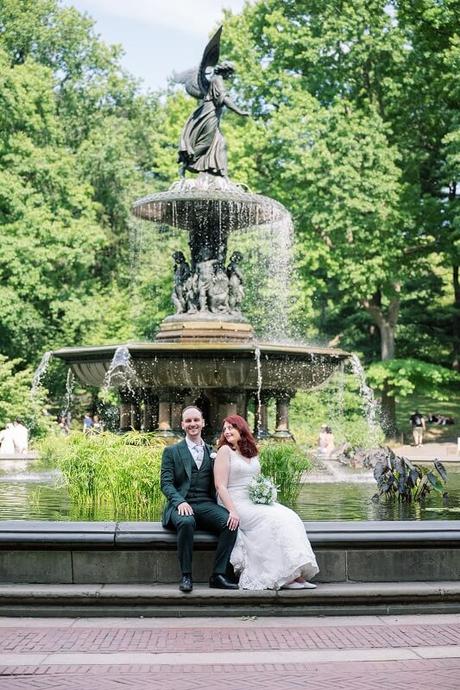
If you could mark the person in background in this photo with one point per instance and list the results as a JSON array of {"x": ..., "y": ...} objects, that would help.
[
  {"x": 7, "y": 446},
  {"x": 87, "y": 423},
  {"x": 21, "y": 436},
  {"x": 417, "y": 421},
  {"x": 98, "y": 426},
  {"x": 326, "y": 444},
  {"x": 63, "y": 424}
]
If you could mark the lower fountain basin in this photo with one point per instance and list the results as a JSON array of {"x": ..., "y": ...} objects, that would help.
[{"x": 203, "y": 364}]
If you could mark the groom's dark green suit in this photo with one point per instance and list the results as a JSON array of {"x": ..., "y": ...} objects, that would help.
[{"x": 182, "y": 481}]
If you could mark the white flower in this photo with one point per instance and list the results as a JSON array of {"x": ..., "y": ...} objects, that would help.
[
  {"x": 262, "y": 490},
  {"x": 212, "y": 455}
]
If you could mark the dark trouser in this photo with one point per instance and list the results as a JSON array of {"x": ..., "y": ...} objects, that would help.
[{"x": 209, "y": 516}]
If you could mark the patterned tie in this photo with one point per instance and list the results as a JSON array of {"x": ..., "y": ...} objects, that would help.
[{"x": 199, "y": 452}]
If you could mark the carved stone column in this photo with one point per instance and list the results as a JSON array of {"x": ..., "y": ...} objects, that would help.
[
  {"x": 164, "y": 415},
  {"x": 283, "y": 401},
  {"x": 169, "y": 414},
  {"x": 177, "y": 405},
  {"x": 150, "y": 416},
  {"x": 125, "y": 409},
  {"x": 136, "y": 411}
]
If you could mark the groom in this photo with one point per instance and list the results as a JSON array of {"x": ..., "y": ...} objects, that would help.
[{"x": 187, "y": 482}]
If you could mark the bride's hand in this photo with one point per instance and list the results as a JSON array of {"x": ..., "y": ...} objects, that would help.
[{"x": 233, "y": 521}]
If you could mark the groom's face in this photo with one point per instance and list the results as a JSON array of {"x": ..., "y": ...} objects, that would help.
[{"x": 193, "y": 423}]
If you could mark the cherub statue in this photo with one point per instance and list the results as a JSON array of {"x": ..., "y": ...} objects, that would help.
[
  {"x": 235, "y": 282},
  {"x": 204, "y": 277},
  {"x": 202, "y": 146},
  {"x": 218, "y": 291},
  {"x": 183, "y": 283}
]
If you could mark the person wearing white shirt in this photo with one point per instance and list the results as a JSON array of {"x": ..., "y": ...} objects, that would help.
[{"x": 21, "y": 436}]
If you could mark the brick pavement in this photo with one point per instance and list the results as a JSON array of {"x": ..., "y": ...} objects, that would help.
[
  {"x": 107, "y": 640},
  {"x": 347, "y": 642}
]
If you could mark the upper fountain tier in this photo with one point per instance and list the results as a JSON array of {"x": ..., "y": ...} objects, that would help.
[{"x": 209, "y": 204}]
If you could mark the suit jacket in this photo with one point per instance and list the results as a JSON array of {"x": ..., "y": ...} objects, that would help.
[{"x": 176, "y": 472}]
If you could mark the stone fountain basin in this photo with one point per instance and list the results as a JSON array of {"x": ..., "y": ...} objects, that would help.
[
  {"x": 207, "y": 365},
  {"x": 208, "y": 202}
]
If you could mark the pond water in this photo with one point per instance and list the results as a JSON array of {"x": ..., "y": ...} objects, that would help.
[{"x": 28, "y": 494}]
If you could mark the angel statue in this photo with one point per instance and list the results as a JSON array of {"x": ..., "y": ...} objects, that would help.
[{"x": 202, "y": 146}]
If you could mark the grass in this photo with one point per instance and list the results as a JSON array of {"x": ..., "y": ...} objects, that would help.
[
  {"x": 284, "y": 463},
  {"x": 102, "y": 470},
  {"x": 449, "y": 408}
]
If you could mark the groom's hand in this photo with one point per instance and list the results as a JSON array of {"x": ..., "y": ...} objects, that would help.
[{"x": 184, "y": 508}]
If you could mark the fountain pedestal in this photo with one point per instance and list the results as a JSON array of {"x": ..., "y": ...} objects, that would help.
[{"x": 175, "y": 330}]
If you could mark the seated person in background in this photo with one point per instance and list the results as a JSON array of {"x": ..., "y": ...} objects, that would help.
[
  {"x": 440, "y": 419},
  {"x": 325, "y": 441},
  {"x": 98, "y": 426}
]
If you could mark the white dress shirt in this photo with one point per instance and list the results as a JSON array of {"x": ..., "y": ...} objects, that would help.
[{"x": 197, "y": 451}]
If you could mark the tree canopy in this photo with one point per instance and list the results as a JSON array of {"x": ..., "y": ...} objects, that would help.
[{"x": 355, "y": 129}]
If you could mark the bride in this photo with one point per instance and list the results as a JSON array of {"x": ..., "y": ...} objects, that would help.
[{"x": 272, "y": 550}]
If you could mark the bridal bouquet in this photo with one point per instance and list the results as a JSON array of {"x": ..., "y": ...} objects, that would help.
[{"x": 262, "y": 490}]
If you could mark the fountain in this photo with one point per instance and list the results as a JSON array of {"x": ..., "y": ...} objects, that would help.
[{"x": 206, "y": 353}]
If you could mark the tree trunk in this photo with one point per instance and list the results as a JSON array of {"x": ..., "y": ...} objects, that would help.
[
  {"x": 386, "y": 323},
  {"x": 456, "y": 320}
]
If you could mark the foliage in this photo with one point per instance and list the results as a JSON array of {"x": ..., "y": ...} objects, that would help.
[
  {"x": 357, "y": 122},
  {"x": 16, "y": 400},
  {"x": 397, "y": 477},
  {"x": 284, "y": 463},
  {"x": 404, "y": 377},
  {"x": 123, "y": 470},
  {"x": 355, "y": 129},
  {"x": 339, "y": 404}
]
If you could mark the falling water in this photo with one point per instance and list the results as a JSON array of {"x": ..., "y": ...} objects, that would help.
[
  {"x": 370, "y": 404},
  {"x": 40, "y": 372},
  {"x": 121, "y": 371},
  {"x": 69, "y": 385},
  {"x": 280, "y": 274},
  {"x": 259, "y": 389}
]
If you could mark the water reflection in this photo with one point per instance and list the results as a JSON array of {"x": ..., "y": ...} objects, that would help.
[
  {"x": 41, "y": 496},
  {"x": 345, "y": 501}
]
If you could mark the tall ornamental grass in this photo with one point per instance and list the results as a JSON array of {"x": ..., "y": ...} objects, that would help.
[
  {"x": 284, "y": 463},
  {"x": 110, "y": 469}
]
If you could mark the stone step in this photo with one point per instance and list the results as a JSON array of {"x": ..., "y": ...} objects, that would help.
[{"x": 342, "y": 598}]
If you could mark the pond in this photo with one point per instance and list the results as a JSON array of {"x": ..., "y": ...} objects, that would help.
[{"x": 28, "y": 494}]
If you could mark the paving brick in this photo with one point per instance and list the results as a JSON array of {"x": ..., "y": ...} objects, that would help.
[
  {"x": 423, "y": 675},
  {"x": 411, "y": 674},
  {"x": 113, "y": 640}
]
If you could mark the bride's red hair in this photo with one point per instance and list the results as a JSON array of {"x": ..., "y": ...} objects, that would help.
[{"x": 247, "y": 443}]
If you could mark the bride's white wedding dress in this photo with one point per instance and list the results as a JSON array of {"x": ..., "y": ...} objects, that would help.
[{"x": 272, "y": 548}]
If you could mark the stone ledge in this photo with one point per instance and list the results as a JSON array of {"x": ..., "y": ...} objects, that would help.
[
  {"x": 166, "y": 600},
  {"x": 38, "y": 534}
]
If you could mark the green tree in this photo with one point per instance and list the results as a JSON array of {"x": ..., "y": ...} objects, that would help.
[
  {"x": 48, "y": 227},
  {"x": 369, "y": 91}
]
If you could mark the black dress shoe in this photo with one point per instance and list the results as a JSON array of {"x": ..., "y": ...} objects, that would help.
[
  {"x": 186, "y": 584},
  {"x": 218, "y": 581}
]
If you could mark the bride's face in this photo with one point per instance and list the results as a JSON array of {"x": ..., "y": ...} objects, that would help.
[{"x": 231, "y": 434}]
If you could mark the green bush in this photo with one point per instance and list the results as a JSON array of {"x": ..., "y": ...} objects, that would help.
[
  {"x": 284, "y": 463},
  {"x": 112, "y": 469},
  {"x": 398, "y": 478}
]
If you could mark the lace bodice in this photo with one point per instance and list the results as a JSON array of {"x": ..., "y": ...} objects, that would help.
[{"x": 241, "y": 471}]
